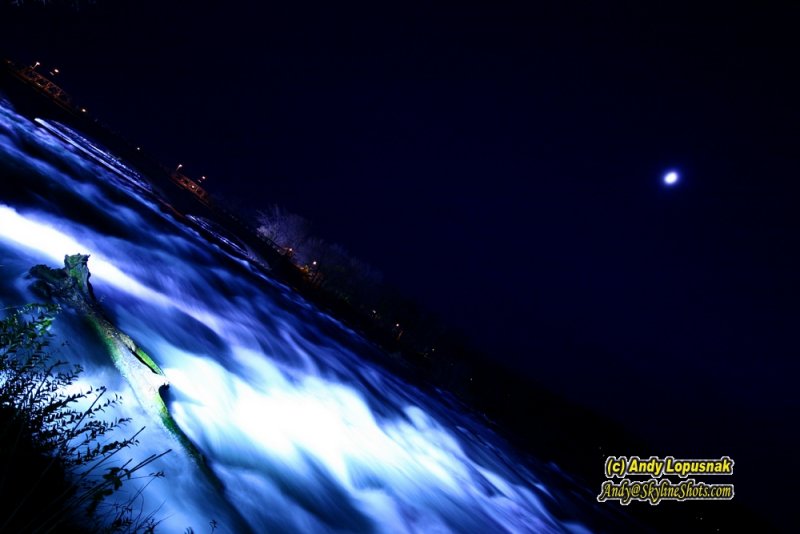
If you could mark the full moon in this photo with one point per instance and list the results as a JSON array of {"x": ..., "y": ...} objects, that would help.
[{"x": 671, "y": 178}]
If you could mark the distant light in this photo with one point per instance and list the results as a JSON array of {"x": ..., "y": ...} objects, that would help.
[
  {"x": 671, "y": 178},
  {"x": 313, "y": 263},
  {"x": 55, "y": 70},
  {"x": 83, "y": 110}
]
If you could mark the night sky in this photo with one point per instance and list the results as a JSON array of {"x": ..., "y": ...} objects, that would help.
[{"x": 503, "y": 165}]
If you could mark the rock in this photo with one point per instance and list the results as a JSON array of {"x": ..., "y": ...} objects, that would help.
[
  {"x": 70, "y": 284},
  {"x": 78, "y": 270}
]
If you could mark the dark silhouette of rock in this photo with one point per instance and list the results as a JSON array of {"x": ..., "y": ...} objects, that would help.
[{"x": 70, "y": 284}]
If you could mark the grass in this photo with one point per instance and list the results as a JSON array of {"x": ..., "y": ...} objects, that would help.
[{"x": 59, "y": 469}]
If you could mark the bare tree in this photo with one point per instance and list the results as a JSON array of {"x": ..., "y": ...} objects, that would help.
[
  {"x": 366, "y": 281},
  {"x": 330, "y": 264},
  {"x": 351, "y": 278},
  {"x": 286, "y": 229},
  {"x": 313, "y": 249}
]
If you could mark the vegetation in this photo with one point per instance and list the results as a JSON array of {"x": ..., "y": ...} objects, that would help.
[
  {"x": 349, "y": 279},
  {"x": 58, "y": 466}
]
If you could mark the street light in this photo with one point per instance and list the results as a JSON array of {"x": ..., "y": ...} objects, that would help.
[
  {"x": 35, "y": 65},
  {"x": 180, "y": 165}
]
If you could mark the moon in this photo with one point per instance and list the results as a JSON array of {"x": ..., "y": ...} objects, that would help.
[{"x": 671, "y": 178}]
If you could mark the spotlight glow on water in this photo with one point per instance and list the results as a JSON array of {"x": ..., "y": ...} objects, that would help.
[{"x": 303, "y": 432}]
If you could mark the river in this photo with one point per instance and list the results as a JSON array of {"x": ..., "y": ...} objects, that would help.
[{"x": 303, "y": 429}]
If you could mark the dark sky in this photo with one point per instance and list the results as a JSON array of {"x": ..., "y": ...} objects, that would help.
[{"x": 503, "y": 164}]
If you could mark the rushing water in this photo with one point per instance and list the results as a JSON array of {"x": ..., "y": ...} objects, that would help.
[{"x": 303, "y": 432}]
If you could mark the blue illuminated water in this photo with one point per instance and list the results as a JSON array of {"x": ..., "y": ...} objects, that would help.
[{"x": 303, "y": 432}]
